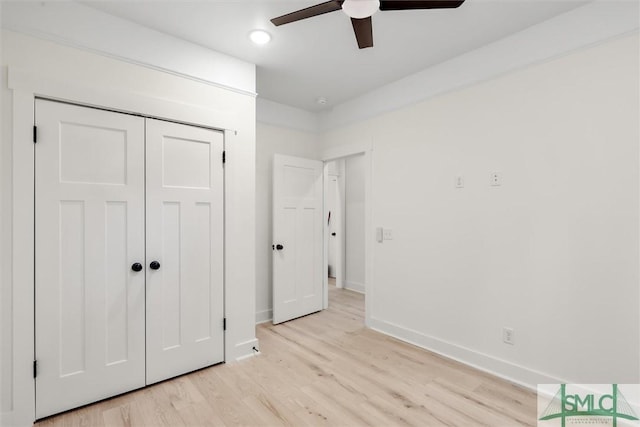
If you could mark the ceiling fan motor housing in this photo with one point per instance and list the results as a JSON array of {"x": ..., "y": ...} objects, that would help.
[
  {"x": 360, "y": 9},
  {"x": 360, "y": 12}
]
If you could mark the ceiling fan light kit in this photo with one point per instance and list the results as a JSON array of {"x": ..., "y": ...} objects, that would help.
[
  {"x": 360, "y": 9},
  {"x": 360, "y": 12}
]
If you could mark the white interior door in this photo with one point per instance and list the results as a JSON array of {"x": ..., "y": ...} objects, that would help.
[
  {"x": 185, "y": 237},
  {"x": 89, "y": 232},
  {"x": 332, "y": 198},
  {"x": 298, "y": 271}
]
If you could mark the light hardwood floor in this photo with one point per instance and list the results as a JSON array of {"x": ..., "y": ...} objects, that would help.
[{"x": 323, "y": 369}]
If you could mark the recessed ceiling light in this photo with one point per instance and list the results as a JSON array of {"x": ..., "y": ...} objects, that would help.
[
  {"x": 260, "y": 37},
  {"x": 321, "y": 100}
]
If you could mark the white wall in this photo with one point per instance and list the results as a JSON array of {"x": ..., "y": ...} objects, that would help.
[
  {"x": 335, "y": 167},
  {"x": 65, "y": 22},
  {"x": 354, "y": 188},
  {"x": 6, "y": 294},
  {"x": 285, "y": 116},
  {"x": 583, "y": 26},
  {"x": 46, "y": 68},
  {"x": 270, "y": 140},
  {"x": 552, "y": 252}
]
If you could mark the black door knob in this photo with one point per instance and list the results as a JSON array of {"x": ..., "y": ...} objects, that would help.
[
  {"x": 155, "y": 265},
  {"x": 333, "y": 234},
  {"x": 136, "y": 267},
  {"x": 279, "y": 247}
]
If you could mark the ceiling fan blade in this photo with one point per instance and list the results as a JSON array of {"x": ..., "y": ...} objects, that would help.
[
  {"x": 309, "y": 12},
  {"x": 364, "y": 31},
  {"x": 419, "y": 4}
]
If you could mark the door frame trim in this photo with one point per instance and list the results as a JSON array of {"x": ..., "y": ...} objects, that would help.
[
  {"x": 25, "y": 87},
  {"x": 335, "y": 153}
]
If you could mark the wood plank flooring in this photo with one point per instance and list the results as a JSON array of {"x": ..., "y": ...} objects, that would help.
[{"x": 325, "y": 369}]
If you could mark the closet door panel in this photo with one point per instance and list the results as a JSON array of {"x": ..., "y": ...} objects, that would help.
[
  {"x": 185, "y": 237},
  {"x": 89, "y": 230}
]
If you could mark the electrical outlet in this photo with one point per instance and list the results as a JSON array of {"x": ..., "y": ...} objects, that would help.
[
  {"x": 387, "y": 234},
  {"x": 508, "y": 336},
  {"x": 459, "y": 182},
  {"x": 496, "y": 179}
]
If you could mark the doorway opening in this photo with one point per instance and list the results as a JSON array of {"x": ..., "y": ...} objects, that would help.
[
  {"x": 301, "y": 221},
  {"x": 348, "y": 245},
  {"x": 345, "y": 221}
]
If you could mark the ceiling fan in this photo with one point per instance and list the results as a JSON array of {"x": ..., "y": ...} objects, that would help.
[{"x": 360, "y": 12}]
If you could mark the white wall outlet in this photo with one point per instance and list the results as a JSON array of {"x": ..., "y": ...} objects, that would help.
[
  {"x": 496, "y": 179},
  {"x": 387, "y": 234},
  {"x": 508, "y": 336},
  {"x": 459, "y": 182}
]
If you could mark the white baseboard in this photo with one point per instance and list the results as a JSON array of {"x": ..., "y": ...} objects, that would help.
[
  {"x": 244, "y": 350},
  {"x": 264, "y": 316},
  {"x": 354, "y": 286},
  {"x": 512, "y": 372}
]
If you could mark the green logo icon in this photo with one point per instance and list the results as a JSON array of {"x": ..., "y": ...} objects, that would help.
[{"x": 612, "y": 405}]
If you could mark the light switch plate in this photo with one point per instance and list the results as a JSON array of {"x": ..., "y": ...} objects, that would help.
[
  {"x": 459, "y": 182},
  {"x": 508, "y": 335}
]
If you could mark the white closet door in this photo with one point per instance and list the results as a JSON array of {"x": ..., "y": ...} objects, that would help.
[
  {"x": 89, "y": 231},
  {"x": 185, "y": 237},
  {"x": 297, "y": 237}
]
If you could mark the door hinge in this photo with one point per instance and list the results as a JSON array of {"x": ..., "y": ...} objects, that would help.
[
  {"x": 224, "y": 324},
  {"x": 224, "y": 157},
  {"x": 35, "y": 368},
  {"x": 35, "y": 134}
]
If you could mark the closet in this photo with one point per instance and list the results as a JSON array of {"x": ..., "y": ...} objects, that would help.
[{"x": 129, "y": 250}]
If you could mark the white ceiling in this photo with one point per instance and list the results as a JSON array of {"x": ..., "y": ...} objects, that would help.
[{"x": 319, "y": 56}]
